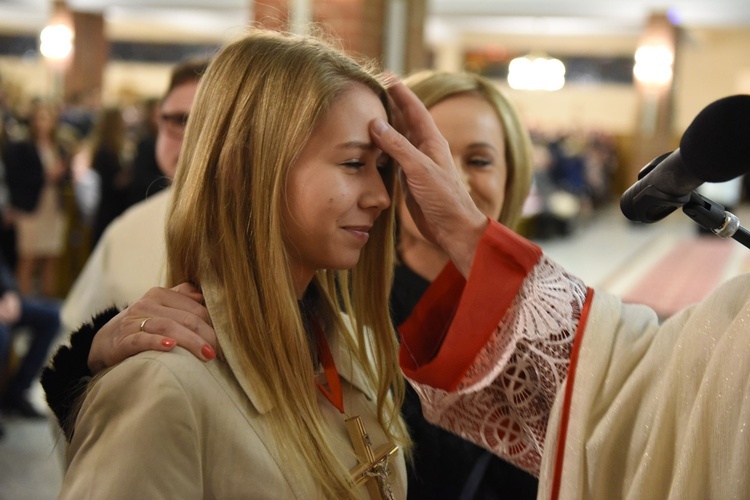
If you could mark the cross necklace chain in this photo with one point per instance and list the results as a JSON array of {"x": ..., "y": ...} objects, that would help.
[
  {"x": 372, "y": 469},
  {"x": 373, "y": 464}
]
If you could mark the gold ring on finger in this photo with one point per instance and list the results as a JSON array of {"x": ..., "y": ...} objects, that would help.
[{"x": 143, "y": 324}]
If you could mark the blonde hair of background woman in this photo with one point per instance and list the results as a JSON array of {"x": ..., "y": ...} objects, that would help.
[
  {"x": 256, "y": 107},
  {"x": 433, "y": 87}
]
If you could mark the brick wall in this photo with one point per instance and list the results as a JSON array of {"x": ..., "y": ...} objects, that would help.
[{"x": 358, "y": 25}]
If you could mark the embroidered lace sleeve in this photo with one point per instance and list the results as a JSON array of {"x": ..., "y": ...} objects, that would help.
[{"x": 504, "y": 401}]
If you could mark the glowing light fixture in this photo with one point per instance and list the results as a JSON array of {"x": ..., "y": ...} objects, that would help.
[
  {"x": 536, "y": 73},
  {"x": 653, "y": 65},
  {"x": 56, "y": 39}
]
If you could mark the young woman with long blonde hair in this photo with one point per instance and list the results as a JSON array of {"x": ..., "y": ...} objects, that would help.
[{"x": 282, "y": 218}]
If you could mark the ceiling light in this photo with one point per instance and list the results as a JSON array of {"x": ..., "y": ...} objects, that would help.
[
  {"x": 653, "y": 65},
  {"x": 536, "y": 73},
  {"x": 56, "y": 39}
]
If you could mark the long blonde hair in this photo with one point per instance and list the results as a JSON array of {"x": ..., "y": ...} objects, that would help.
[
  {"x": 433, "y": 87},
  {"x": 256, "y": 107}
]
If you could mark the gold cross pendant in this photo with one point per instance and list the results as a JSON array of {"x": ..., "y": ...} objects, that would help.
[{"x": 373, "y": 465}]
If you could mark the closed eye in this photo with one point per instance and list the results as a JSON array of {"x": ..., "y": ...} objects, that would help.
[
  {"x": 479, "y": 161},
  {"x": 354, "y": 164}
]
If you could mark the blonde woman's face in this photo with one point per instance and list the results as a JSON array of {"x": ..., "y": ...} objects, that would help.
[
  {"x": 476, "y": 139},
  {"x": 335, "y": 190}
]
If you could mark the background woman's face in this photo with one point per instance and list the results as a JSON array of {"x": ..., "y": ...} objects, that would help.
[{"x": 476, "y": 139}]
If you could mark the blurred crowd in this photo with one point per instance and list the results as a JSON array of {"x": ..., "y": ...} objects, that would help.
[
  {"x": 92, "y": 163},
  {"x": 573, "y": 176},
  {"x": 66, "y": 171}
]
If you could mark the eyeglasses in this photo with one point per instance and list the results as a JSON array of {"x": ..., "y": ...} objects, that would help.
[{"x": 173, "y": 124}]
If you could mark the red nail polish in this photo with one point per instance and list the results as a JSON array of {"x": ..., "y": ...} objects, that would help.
[
  {"x": 208, "y": 353},
  {"x": 168, "y": 343}
]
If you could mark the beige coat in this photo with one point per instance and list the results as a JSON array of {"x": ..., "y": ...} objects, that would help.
[{"x": 166, "y": 425}]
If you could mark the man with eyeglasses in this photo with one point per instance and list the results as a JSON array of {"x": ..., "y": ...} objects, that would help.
[{"x": 130, "y": 257}]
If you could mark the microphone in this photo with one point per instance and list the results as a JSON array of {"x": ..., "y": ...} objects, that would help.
[{"x": 714, "y": 148}]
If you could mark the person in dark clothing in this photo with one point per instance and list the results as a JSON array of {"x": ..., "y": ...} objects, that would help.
[
  {"x": 42, "y": 318},
  {"x": 7, "y": 227},
  {"x": 107, "y": 162},
  {"x": 147, "y": 178},
  {"x": 37, "y": 171}
]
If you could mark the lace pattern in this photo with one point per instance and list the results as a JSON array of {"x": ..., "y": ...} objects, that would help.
[{"x": 505, "y": 399}]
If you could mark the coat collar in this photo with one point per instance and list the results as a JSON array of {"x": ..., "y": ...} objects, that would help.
[{"x": 349, "y": 369}]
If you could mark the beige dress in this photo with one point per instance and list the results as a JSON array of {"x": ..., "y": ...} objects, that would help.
[{"x": 42, "y": 233}]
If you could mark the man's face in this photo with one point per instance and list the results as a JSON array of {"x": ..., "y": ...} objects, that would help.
[{"x": 171, "y": 122}]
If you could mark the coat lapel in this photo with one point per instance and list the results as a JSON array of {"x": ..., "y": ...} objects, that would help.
[{"x": 214, "y": 296}]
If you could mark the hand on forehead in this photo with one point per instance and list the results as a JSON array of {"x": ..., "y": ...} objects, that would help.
[{"x": 433, "y": 189}]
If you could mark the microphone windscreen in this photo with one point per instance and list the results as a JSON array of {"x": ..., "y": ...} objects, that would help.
[{"x": 716, "y": 145}]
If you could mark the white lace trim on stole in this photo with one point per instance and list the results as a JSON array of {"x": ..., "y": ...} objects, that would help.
[{"x": 504, "y": 401}]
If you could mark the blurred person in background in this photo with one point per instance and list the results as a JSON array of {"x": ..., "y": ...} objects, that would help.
[
  {"x": 36, "y": 170},
  {"x": 79, "y": 114},
  {"x": 108, "y": 161},
  {"x": 600, "y": 163},
  {"x": 147, "y": 177},
  {"x": 7, "y": 228},
  {"x": 551, "y": 210},
  {"x": 41, "y": 317},
  {"x": 129, "y": 257}
]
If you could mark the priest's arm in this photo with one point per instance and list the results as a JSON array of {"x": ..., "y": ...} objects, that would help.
[{"x": 594, "y": 396}]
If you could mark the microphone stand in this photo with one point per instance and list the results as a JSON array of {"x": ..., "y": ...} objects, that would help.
[
  {"x": 713, "y": 217},
  {"x": 650, "y": 204}
]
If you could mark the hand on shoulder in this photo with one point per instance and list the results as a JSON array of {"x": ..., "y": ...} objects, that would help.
[{"x": 161, "y": 319}]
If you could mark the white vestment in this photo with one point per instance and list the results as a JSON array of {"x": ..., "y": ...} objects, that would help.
[
  {"x": 595, "y": 396},
  {"x": 129, "y": 259}
]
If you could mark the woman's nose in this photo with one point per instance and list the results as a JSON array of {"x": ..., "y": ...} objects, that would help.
[{"x": 376, "y": 195}]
